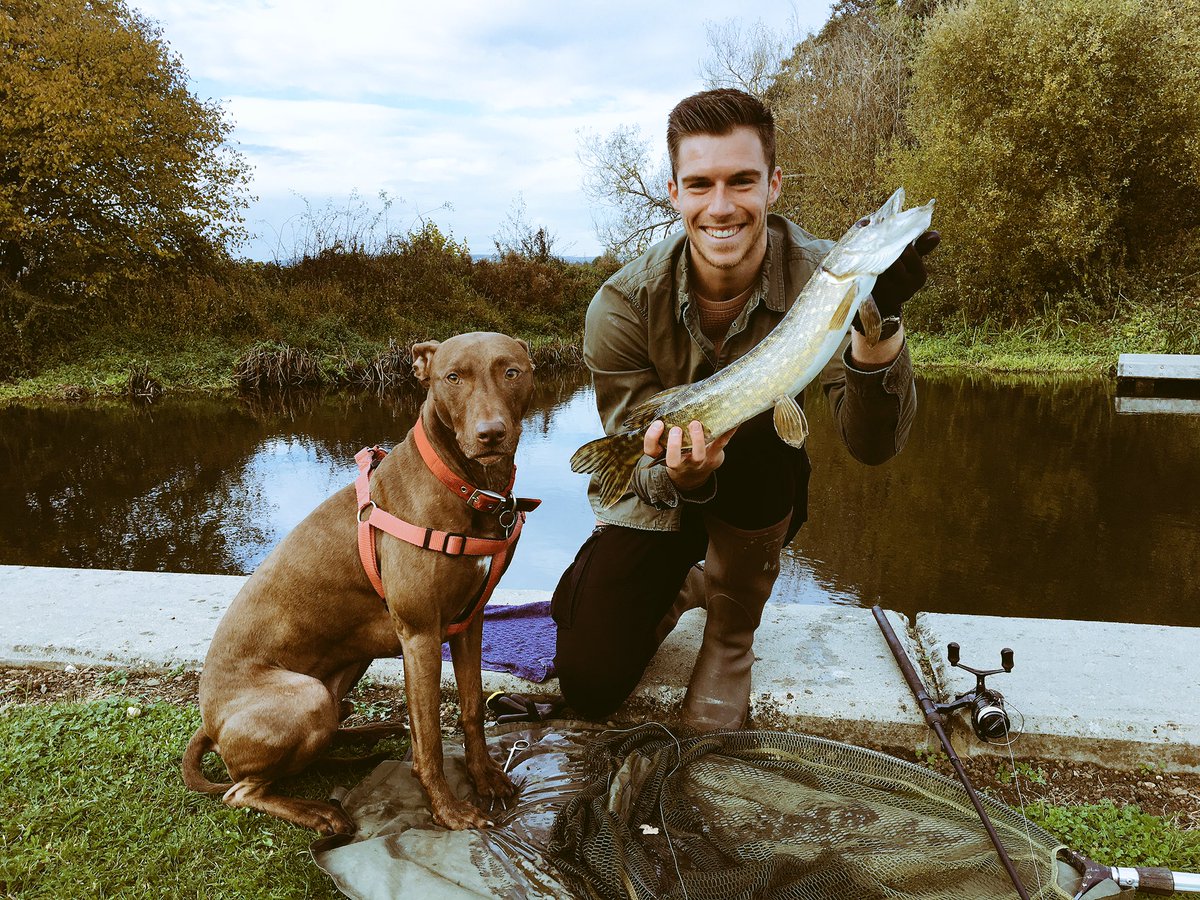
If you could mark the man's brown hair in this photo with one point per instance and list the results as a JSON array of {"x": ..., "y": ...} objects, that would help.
[{"x": 718, "y": 112}]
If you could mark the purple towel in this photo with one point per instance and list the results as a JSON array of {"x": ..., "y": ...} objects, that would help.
[{"x": 518, "y": 639}]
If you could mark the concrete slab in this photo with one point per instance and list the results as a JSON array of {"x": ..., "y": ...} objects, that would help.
[
  {"x": 1118, "y": 695},
  {"x": 100, "y": 616},
  {"x": 822, "y": 670},
  {"x": 1122, "y": 696},
  {"x": 54, "y": 616}
]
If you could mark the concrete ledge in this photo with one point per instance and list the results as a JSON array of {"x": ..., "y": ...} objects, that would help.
[{"x": 1118, "y": 695}]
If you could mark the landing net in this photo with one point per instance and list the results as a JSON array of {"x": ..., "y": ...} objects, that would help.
[{"x": 777, "y": 815}]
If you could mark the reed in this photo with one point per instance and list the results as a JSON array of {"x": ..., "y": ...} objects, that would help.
[
  {"x": 270, "y": 365},
  {"x": 141, "y": 386}
]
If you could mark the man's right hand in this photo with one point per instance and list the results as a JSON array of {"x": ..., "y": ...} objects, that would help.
[{"x": 692, "y": 469}]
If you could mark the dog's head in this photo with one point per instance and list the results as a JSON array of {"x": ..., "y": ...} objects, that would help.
[{"x": 480, "y": 385}]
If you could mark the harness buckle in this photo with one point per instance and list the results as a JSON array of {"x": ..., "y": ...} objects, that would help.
[
  {"x": 484, "y": 500},
  {"x": 446, "y": 548}
]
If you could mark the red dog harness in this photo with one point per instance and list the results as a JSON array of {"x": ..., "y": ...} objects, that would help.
[{"x": 509, "y": 511}]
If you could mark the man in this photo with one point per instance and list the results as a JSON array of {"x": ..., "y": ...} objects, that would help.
[{"x": 690, "y": 305}]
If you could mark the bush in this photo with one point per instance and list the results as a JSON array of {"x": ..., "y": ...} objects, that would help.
[{"x": 1062, "y": 141}]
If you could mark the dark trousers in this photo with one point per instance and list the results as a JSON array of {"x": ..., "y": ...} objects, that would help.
[{"x": 610, "y": 600}]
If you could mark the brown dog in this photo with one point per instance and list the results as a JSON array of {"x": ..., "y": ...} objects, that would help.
[{"x": 307, "y": 623}]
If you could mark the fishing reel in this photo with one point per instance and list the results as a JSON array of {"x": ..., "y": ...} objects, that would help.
[{"x": 989, "y": 717}]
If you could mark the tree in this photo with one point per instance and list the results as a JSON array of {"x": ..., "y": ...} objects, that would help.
[
  {"x": 1062, "y": 141},
  {"x": 517, "y": 237},
  {"x": 618, "y": 174},
  {"x": 109, "y": 166},
  {"x": 839, "y": 102}
]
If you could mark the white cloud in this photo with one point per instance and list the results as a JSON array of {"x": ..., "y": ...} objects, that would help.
[{"x": 456, "y": 102}]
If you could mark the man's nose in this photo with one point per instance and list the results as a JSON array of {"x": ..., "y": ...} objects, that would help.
[{"x": 720, "y": 203}]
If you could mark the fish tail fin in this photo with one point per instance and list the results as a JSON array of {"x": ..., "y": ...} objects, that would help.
[{"x": 611, "y": 460}]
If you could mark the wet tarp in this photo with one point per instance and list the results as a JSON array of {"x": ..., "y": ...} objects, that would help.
[
  {"x": 399, "y": 852},
  {"x": 648, "y": 814}
]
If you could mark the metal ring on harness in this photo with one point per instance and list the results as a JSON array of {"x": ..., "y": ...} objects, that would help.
[
  {"x": 507, "y": 519},
  {"x": 369, "y": 505}
]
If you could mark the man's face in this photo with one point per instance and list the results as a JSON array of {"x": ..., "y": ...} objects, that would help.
[{"x": 722, "y": 189}]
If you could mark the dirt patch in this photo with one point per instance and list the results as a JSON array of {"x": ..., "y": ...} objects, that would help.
[{"x": 1058, "y": 783}]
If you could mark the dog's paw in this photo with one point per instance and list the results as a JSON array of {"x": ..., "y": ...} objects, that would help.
[
  {"x": 491, "y": 781},
  {"x": 457, "y": 816},
  {"x": 328, "y": 819}
]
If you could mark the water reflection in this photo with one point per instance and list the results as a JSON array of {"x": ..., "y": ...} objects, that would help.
[{"x": 1020, "y": 497}]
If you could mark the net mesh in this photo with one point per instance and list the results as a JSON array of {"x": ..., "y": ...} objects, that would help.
[{"x": 777, "y": 815}]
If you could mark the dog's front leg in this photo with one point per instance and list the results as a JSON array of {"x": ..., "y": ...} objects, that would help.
[
  {"x": 422, "y": 680},
  {"x": 487, "y": 775}
]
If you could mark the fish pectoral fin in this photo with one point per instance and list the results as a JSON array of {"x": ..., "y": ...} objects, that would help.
[
  {"x": 840, "y": 320},
  {"x": 790, "y": 424},
  {"x": 872, "y": 321}
]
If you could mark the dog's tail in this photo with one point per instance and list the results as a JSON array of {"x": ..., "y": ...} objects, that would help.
[{"x": 193, "y": 771}]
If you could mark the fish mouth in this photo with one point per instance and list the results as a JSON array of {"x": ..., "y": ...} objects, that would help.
[{"x": 722, "y": 232}]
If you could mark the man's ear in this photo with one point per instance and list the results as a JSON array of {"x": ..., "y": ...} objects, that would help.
[
  {"x": 673, "y": 193},
  {"x": 422, "y": 360},
  {"x": 775, "y": 185},
  {"x": 528, "y": 352}
]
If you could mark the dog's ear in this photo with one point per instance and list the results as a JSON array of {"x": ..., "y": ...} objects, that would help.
[
  {"x": 422, "y": 360},
  {"x": 528, "y": 352}
]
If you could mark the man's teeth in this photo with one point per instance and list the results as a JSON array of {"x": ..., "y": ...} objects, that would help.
[{"x": 722, "y": 232}]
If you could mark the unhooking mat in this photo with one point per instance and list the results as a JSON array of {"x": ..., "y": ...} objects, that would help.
[
  {"x": 641, "y": 813},
  {"x": 519, "y": 639}
]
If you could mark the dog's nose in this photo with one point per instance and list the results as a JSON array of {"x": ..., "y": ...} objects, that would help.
[{"x": 490, "y": 432}]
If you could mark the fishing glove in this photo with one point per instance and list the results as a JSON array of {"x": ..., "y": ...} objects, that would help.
[{"x": 903, "y": 278}]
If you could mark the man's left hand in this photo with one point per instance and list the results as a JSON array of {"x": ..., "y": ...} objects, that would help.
[{"x": 903, "y": 278}]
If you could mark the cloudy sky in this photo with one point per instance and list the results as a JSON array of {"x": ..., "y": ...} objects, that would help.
[{"x": 476, "y": 105}]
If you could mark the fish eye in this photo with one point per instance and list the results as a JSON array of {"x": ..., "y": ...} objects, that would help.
[{"x": 453, "y": 378}]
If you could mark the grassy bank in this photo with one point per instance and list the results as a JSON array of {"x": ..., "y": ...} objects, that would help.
[{"x": 100, "y": 365}]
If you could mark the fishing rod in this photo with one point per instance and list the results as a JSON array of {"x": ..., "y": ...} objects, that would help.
[
  {"x": 934, "y": 718},
  {"x": 988, "y": 717}
]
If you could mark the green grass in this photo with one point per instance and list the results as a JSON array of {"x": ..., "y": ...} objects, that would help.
[
  {"x": 1120, "y": 835},
  {"x": 94, "y": 806}
]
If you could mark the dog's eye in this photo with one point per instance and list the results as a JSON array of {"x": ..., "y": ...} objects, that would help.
[
  {"x": 453, "y": 378},
  {"x": 512, "y": 373}
]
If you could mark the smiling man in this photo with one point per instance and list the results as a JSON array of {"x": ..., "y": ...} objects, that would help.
[{"x": 687, "y": 307}]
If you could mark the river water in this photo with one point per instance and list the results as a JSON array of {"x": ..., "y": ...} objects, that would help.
[{"x": 1025, "y": 498}]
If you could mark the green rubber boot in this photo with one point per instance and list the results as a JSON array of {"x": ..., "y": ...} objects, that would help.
[{"x": 740, "y": 569}]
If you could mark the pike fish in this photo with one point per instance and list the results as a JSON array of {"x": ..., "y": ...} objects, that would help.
[{"x": 782, "y": 364}]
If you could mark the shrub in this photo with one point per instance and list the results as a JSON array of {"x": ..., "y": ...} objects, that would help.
[{"x": 1062, "y": 141}]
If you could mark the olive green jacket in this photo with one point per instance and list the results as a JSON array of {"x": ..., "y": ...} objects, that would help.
[{"x": 643, "y": 335}]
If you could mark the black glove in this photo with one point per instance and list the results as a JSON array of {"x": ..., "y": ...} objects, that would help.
[{"x": 903, "y": 278}]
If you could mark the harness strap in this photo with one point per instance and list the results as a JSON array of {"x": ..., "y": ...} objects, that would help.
[{"x": 371, "y": 518}]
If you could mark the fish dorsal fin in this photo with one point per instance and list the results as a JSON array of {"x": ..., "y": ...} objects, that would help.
[
  {"x": 648, "y": 410},
  {"x": 790, "y": 423}
]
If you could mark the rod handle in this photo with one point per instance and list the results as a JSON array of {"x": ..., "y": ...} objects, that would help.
[{"x": 1156, "y": 881}]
